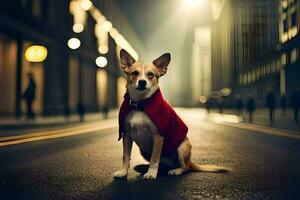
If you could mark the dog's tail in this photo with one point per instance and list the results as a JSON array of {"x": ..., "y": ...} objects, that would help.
[{"x": 206, "y": 168}]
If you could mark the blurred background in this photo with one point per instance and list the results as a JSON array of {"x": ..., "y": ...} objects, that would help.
[{"x": 66, "y": 52}]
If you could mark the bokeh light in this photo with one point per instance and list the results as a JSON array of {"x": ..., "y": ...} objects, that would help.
[
  {"x": 74, "y": 43},
  {"x": 101, "y": 61}
]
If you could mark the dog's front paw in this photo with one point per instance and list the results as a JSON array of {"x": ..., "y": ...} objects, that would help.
[
  {"x": 120, "y": 174},
  {"x": 151, "y": 174}
]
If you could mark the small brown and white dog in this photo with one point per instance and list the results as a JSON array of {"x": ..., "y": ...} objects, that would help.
[{"x": 142, "y": 83}]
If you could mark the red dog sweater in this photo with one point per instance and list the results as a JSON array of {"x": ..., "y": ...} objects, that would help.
[{"x": 168, "y": 123}]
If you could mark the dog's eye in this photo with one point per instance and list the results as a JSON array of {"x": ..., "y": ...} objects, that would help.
[
  {"x": 135, "y": 73},
  {"x": 150, "y": 75}
]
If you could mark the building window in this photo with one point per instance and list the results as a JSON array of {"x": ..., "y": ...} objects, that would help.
[
  {"x": 283, "y": 59},
  {"x": 258, "y": 72},
  {"x": 245, "y": 79},
  {"x": 249, "y": 77},
  {"x": 294, "y": 56},
  {"x": 241, "y": 79},
  {"x": 253, "y": 77},
  {"x": 284, "y": 4},
  {"x": 278, "y": 65}
]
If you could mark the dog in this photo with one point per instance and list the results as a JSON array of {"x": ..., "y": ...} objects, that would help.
[{"x": 148, "y": 120}]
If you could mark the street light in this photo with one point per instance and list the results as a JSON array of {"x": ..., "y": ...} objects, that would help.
[
  {"x": 103, "y": 49},
  {"x": 101, "y": 61},
  {"x": 36, "y": 53},
  {"x": 86, "y": 4},
  {"x": 192, "y": 3},
  {"x": 74, "y": 43},
  {"x": 107, "y": 26},
  {"x": 78, "y": 28}
]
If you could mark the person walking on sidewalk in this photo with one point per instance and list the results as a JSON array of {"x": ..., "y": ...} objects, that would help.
[
  {"x": 220, "y": 102},
  {"x": 239, "y": 104},
  {"x": 81, "y": 111},
  {"x": 29, "y": 96},
  {"x": 296, "y": 103},
  {"x": 283, "y": 104},
  {"x": 251, "y": 107},
  {"x": 271, "y": 104},
  {"x": 208, "y": 105}
]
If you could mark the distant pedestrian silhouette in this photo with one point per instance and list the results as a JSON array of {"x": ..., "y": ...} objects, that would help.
[
  {"x": 239, "y": 104},
  {"x": 283, "y": 103},
  {"x": 220, "y": 102},
  {"x": 29, "y": 96},
  {"x": 251, "y": 108},
  {"x": 295, "y": 101},
  {"x": 105, "y": 111},
  {"x": 271, "y": 105},
  {"x": 208, "y": 105},
  {"x": 81, "y": 111}
]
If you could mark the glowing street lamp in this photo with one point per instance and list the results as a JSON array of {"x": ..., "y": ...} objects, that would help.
[
  {"x": 203, "y": 99},
  {"x": 103, "y": 49},
  {"x": 78, "y": 28},
  {"x": 74, "y": 43},
  {"x": 36, "y": 53},
  {"x": 86, "y": 4},
  {"x": 101, "y": 61},
  {"x": 107, "y": 26},
  {"x": 192, "y": 3}
]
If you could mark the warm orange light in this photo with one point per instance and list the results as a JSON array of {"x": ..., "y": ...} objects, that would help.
[
  {"x": 78, "y": 28},
  {"x": 86, "y": 4},
  {"x": 36, "y": 53},
  {"x": 107, "y": 26},
  {"x": 227, "y": 91},
  {"x": 192, "y": 3},
  {"x": 103, "y": 49},
  {"x": 203, "y": 99}
]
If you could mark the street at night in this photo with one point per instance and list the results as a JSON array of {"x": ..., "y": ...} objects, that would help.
[
  {"x": 160, "y": 99},
  {"x": 263, "y": 166}
]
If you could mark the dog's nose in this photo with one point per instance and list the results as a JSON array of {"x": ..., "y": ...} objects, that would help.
[{"x": 142, "y": 83}]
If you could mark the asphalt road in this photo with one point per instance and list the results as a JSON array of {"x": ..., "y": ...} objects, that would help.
[{"x": 263, "y": 166}]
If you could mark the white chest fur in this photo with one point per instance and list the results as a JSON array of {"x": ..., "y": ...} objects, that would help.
[{"x": 141, "y": 129}]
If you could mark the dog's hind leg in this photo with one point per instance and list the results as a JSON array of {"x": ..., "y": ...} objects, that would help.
[{"x": 184, "y": 156}]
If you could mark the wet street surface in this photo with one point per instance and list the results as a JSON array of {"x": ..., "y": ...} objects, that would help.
[{"x": 263, "y": 166}]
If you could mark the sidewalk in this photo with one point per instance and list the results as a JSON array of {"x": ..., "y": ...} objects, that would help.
[
  {"x": 261, "y": 117},
  {"x": 41, "y": 121}
]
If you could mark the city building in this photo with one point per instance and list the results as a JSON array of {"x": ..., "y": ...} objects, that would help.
[
  {"x": 245, "y": 48},
  {"x": 289, "y": 26},
  {"x": 69, "y": 75}
]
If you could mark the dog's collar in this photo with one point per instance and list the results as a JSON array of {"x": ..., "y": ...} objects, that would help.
[
  {"x": 140, "y": 105},
  {"x": 135, "y": 105}
]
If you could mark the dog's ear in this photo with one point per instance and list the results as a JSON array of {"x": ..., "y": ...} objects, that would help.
[
  {"x": 162, "y": 63},
  {"x": 126, "y": 60}
]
